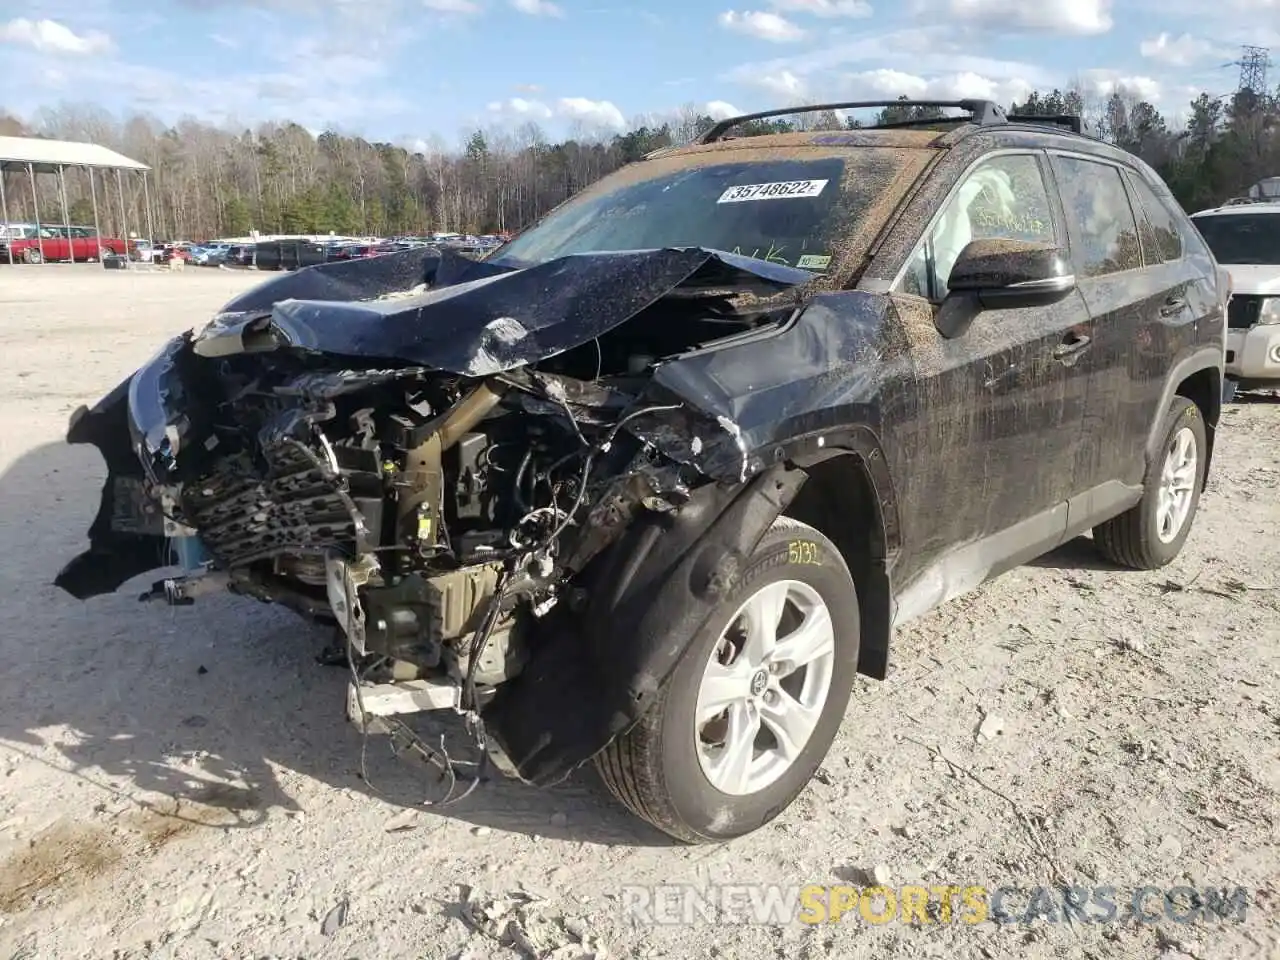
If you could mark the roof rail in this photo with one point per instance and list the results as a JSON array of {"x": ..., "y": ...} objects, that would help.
[
  {"x": 1070, "y": 121},
  {"x": 981, "y": 111}
]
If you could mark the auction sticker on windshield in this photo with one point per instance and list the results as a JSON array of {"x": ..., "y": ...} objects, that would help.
[{"x": 783, "y": 189}]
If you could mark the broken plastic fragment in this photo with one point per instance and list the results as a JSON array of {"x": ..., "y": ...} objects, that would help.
[{"x": 736, "y": 432}]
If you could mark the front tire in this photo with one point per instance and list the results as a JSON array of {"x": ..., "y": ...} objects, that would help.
[
  {"x": 1151, "y": 534},
  {"x": 31, "y": 255},
  {"x": 753, "y": 706}
]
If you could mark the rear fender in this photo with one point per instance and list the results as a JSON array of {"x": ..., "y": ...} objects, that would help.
[{"x": 596, "y": 672}]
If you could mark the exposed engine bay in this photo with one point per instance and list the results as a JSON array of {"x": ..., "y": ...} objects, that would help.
[
  {"x": 435, "y": 500},
  {"x": 431, "y": 518}
]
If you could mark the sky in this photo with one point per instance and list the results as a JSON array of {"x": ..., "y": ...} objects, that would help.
[{"x": 426, "y": 71}]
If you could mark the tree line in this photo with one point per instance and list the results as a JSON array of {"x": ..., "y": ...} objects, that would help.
[{"x": 208, "y": 181}]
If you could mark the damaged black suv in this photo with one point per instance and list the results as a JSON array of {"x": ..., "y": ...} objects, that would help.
[{"x": 650, "y": 484}]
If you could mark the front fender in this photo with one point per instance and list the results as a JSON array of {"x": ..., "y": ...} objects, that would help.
[
  {"x": 596, "y": 673},
  {"x": 127, "y": 535}
]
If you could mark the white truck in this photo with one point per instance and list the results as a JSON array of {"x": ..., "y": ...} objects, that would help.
[{"x": 1245, "y": 240}]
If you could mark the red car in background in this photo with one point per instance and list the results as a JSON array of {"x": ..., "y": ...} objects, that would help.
[{"x": 28, "y": 244}]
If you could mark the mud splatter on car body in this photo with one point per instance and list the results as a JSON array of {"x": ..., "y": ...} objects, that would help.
[{"x": 524, "y": 482}]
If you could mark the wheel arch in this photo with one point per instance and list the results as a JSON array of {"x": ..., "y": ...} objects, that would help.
[
  {"x": 1197, "y": 377},
  {"x": 848, "y": 496},
  {"x": 647, "y": 595}
]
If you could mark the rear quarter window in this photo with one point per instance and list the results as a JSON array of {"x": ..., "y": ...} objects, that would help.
[{"x": 1159, "y": 227}]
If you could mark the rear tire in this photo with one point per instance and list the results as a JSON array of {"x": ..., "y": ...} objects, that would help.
[
  {"x": 1151, "y": 534},
  {"x": 31, "y": 255},
  {"x": 677, "y": 773}
]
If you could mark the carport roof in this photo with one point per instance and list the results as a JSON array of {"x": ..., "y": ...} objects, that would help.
[{"x": 47, "y": 155}]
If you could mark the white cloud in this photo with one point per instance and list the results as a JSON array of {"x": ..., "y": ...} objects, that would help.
[
  {"x": 538, "y": 8},
  {"x": 889, "y": 84},
  {"x": 930, "y": 60},
  {"x": 1074, "y": 17},
  {"x": 886, "y": 83},
  {"x": 762, "y": 24},
  {"x": 783, "y": 85},
  {"x": 720, "y": 110},
  {"x": 521, "y": 108},
  {"x": 824, "y": 8},
  {"x": 49, "y": 36},
  {"x": 1103, "y": 83},
  {"x": 223, "y": 41},
  {"x": 1176, "y": 51},
  {"x": 920, "y": 50},
  {"x": 599, "y": 113}
]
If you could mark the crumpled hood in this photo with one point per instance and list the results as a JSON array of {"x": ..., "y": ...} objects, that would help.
[{"x": 476, "y": 318}]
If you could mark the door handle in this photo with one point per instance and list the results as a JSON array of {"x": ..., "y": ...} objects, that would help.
[
  {"x": 1071, "y": 345},
  {"x": 1173, "y": 306}
]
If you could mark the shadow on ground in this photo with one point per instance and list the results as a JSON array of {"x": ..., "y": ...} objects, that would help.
[
  {"x": 1078, "y": 554},
  {"x": 183, "y": 701}
]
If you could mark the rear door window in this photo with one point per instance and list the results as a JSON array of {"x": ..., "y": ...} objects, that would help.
[{"x": 1100, "y": 221}]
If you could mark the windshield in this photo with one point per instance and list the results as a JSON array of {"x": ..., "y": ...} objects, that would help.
[
  {"x": 1243, "y": 238},
  {"x": 761, "y": 203}
]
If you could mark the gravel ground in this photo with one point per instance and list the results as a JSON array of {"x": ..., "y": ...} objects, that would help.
[{"x": 181, "y": 782}]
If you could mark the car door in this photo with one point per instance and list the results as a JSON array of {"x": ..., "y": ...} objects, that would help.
[
  {"x": 1127, "y": 301},
  {"x": 985, "y": 458},
  {"x": 80, "y": 244},
  {"x": 56, "y": 244},
  {"x": 1180, "y": 293}
]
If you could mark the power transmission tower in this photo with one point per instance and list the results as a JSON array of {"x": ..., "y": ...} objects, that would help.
[{"x": 1253, "y": 70}]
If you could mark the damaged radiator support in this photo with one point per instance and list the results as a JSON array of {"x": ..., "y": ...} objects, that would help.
[
  {"x": 418, "y": 620},
  {"x": 421, "y": 488}
]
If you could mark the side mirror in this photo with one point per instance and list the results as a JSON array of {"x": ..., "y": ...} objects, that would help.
[{"x": 1003, "y": 275}]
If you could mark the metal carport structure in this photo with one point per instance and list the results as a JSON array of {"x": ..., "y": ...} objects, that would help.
[{"x": 35, "y": 155}]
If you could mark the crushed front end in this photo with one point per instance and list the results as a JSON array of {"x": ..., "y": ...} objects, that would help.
[{"x": 437, "y": 497}]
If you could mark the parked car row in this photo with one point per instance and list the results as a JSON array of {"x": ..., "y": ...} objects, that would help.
[
  {"x": 37, "y": 243},
  {"x": 291, "y": 253}
]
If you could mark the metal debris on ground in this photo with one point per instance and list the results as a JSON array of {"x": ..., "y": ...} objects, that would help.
[
  {"x": 527, "y": 924},
  {"x": 404, "y": 820},
  {"x": 336, "y": 918}
]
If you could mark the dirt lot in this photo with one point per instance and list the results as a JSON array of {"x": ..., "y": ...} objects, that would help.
[{"x": 181, "y": 782}]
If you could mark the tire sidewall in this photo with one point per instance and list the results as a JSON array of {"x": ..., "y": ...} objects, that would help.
[
  {"x": 706, "y": 810},
  {"x": 1183, "y": 414}
]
